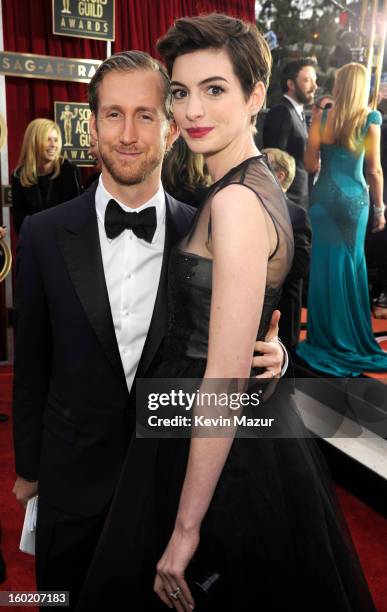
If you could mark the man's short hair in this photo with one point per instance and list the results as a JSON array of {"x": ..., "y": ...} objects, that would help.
[
  {"x": 280, "y": 161},
  {"x": 291, "y": 70},
  {"x": 128, "y": 61}
]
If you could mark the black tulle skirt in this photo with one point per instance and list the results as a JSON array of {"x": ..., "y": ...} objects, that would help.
[{"x": 273, "y": 538}]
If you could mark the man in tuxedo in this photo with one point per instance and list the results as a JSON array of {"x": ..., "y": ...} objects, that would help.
[
  {"x": 290, "y": 305},
  {"x": 285, "y": 127},
  {"x": 90, "y": 318}
]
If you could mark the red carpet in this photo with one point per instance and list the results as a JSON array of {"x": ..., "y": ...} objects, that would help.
[
  {"x": 20, "y": 567},
  {"x": 369, "y": 529}
]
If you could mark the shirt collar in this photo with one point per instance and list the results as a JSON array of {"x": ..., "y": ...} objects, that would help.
[
  {"x": 299, "y": 107},
  {"x": 102, "y": 197}
]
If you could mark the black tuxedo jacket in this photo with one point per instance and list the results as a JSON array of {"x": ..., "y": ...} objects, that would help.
[
  {"x": 73, "y": 415},
  {"x": 284, "y": 129},
  {"x": 291, "y": 299}
]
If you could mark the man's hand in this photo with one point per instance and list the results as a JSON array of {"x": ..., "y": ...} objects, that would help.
[
  {"x": 23, "y": 490},
  {"x": 272, "y": 357}
]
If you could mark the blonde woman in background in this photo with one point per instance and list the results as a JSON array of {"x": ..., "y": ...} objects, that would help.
[
  {"x": 42, "y": 178},
  {"x": 340, "y": 341}
]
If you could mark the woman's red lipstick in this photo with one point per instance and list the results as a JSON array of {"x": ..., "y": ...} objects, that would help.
[{"x": 199, "y": 132}]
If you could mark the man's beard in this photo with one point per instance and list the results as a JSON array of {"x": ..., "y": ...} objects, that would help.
[
  {"x": 131, "y": 173},
  {"x": 301, "y": 97}
]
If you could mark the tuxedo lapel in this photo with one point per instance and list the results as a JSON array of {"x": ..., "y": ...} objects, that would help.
[
  {"x": 297, "y": 121},
  {"x": 80, "y": 246},
  {"x": 158, "y": 322}
]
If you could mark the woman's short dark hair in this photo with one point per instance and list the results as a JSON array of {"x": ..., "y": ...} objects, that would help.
[
  {"x": 129, "y": 61},
  {"x": 246, "y": 47},
  {"x": 291, "y": 70}
]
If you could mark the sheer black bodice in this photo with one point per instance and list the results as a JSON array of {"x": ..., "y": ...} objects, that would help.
[{"x": 190, "y": 269}]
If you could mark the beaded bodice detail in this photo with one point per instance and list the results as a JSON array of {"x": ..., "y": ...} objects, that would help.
[
  {"x": 342, "y": 190},
  {"x": 190, "y": 267},
  {"x": 341, "y": 187}
]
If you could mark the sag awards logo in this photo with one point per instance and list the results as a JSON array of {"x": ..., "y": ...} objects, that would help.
[
  {"x": 5, "y": 260},
  {"x": 47, "y": 67},
  {"x": 73, "y": 120},
  {"x": 86, "y": 19}
]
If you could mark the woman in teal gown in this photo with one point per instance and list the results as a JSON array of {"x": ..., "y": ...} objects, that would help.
[{"x": 340, "y": 341}]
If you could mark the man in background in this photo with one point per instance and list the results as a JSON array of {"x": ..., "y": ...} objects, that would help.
[
  {"x": 284, "y": 167},
  {"x": 285, "y": 127}
]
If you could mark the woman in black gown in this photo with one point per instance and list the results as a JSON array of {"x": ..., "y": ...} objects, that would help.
[{"x": 256, "y": 516}]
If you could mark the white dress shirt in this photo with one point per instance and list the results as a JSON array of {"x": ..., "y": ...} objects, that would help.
[{"x": 132, "y": 269}]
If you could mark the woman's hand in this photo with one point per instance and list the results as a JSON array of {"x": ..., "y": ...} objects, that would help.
[
  {"x": 171, "y": 567},
  {"x": 317, "y": 112},
  {"x": 379, "y": 223}
]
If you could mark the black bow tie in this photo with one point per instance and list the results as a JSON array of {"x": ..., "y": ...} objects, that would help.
[{"x": 143, "y": 223}]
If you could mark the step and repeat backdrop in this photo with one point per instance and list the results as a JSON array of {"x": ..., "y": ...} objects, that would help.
[
  {"x": 53, "y": 47},
  {"x": 90, "y": 20}
]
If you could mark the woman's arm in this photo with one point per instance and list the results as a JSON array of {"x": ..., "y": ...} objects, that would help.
[
  {"x": 312, "y": 151},
  {"x": 374, "y": 174},
  {"x": 240, "y": 251},
  {"x": 241, "y": 247}
]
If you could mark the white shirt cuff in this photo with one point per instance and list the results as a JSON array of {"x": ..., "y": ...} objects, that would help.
[{"x": 286, "y": 358}]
